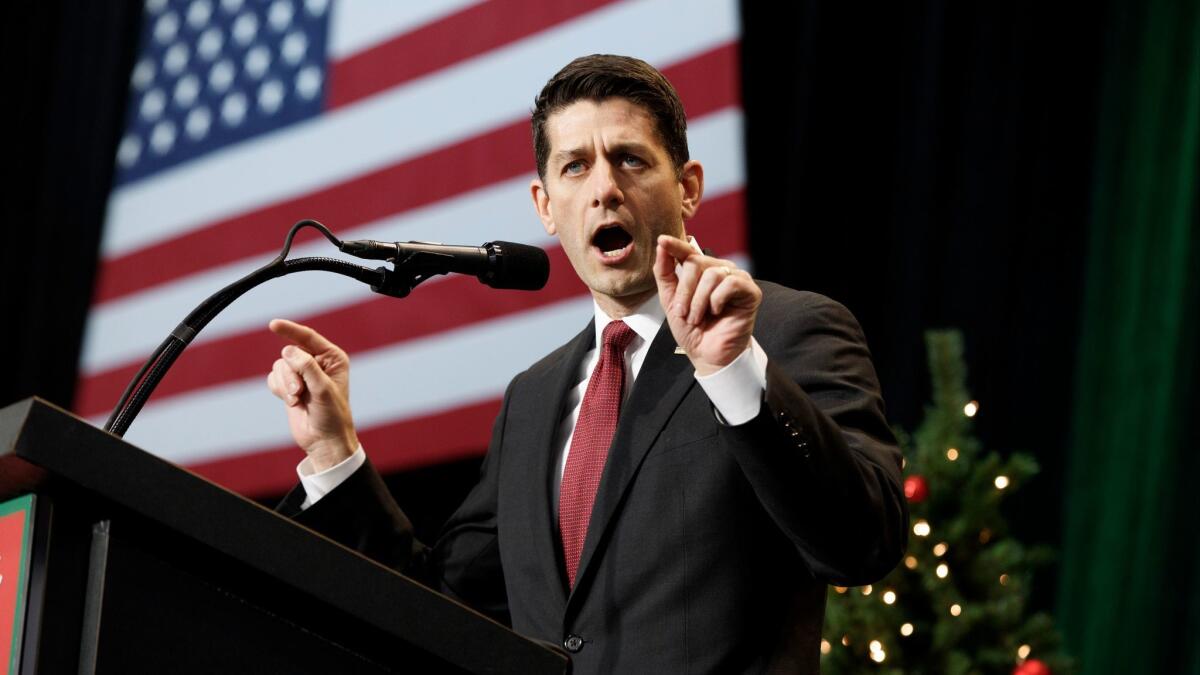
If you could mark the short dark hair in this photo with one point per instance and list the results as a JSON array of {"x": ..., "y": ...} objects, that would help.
[{"x": 601, "y": 76}]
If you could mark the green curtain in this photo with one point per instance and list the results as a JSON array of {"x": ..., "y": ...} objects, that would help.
[{"x": 1129, "y": 592}]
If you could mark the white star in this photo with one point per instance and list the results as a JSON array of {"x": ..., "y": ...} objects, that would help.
[
  {"x": 129, "y": 150},
  {"x": 186, "y": 90},
  {"x": 316, "y": 7},
  {"x": 245, "y": 27},
  {"x": 280, "y": 15},
  {"x": 176, "y": 59},
  {"x": 152, "y": 104},
  {"x": 221, "y": 75},
  {"x": 293, "y": 47},
  {"x": 308, "y": 81},
  {"x": 166, "y": 27},
  {"x": 209, "y": 44},
  {"x": 258, "y": 59},
  {"x": 198, "y": 121},
  {"x": 198, "y": 13},
  {"x": 162, "y": 138},
  {"x": 143, "y": 74},
  {"x": 233, "y": 109},
  {"x": 270, "y": 96}
]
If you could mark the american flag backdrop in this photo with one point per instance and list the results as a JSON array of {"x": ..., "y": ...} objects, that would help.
[{"x": 392, "y": 120}]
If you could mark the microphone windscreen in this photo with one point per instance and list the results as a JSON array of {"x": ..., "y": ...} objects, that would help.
[{"x": 518, "y": 266}]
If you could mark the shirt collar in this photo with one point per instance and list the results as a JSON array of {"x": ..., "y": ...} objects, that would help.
[{"x": 645, "y": 320}]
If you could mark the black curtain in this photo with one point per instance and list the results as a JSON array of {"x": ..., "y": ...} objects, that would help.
[
  {"x": 929, "y": 165},
  {"x": 69, "y": 70},
  {"x": 926, "y": 165}
]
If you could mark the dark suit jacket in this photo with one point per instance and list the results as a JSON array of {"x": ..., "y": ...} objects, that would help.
[{"x": 709, "y": 547}]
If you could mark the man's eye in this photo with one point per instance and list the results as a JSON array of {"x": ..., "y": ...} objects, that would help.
[
  {"x": 632, "y": 160},
  {"x": 573, "y": 168}
]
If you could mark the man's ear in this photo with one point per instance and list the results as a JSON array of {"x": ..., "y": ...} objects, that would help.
[
  {"x": 541, "y": 203},
  {"x": 691, "y": 186}
]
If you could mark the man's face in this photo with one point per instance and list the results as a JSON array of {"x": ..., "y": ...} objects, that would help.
[{"x": 610, "y": 190}]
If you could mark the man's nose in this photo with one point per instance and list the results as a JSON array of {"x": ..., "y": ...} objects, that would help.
[{"x": 606, "y": 192}]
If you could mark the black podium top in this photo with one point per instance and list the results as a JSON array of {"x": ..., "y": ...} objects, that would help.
[{"x": 47, "y": 450}]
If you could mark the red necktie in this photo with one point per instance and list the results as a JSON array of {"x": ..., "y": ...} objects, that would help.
[{"x": 589, "y": 445}]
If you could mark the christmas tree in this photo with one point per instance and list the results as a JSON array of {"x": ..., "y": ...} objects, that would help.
[{"x": 957, "y": 603}]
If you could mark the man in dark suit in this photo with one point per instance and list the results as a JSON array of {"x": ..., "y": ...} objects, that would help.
[{"x": 671, "y": 490}]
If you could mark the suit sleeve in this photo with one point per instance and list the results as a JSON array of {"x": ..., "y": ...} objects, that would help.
[
  {"x": 464, "y": 564},
  {"x": 820, "y": 455}
]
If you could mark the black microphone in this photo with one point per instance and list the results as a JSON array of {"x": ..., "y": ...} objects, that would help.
[{"x": 499, "y": 264}]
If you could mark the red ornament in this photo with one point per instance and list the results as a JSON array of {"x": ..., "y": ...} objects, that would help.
[
  {"x": 1031, "y": 667},
  {"x": 916, "y": 489}
]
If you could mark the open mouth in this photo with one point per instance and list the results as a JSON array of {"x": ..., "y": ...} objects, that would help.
[{"x": 612, "y": 241}]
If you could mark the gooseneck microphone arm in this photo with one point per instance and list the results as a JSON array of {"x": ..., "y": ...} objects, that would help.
[
  {"x": 498, "y": 264},
  {"x": 139, "y": 389}
]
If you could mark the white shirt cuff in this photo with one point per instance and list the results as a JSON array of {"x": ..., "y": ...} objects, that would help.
[
  {"x": 317, "y": 484},
  {"x": 736, "y": 390}
]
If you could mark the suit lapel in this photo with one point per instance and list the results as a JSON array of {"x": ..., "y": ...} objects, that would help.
[
  {"x": 549, "y": 384},
  {"x": 661, "y": 384}
]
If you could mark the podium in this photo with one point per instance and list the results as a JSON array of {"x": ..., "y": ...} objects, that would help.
[{"x": 136, "y": 565}]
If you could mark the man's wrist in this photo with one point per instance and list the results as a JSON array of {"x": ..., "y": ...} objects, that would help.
[
  {"x": 326, "y": 455},
  {"x": 317, "y": 484}
]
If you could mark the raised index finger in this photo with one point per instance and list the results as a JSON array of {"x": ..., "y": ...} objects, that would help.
[{"x": 304, "y": 337}]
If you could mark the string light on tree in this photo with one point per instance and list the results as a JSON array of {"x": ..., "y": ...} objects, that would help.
[{"x": 950, "y": 479}]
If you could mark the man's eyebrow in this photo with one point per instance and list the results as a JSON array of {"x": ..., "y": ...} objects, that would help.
[
  {"x": 569, "y": 154},
  {"x": 629, "y": 146}
]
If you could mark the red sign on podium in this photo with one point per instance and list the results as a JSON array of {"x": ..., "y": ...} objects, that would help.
[{"x": 15, "y": 519}]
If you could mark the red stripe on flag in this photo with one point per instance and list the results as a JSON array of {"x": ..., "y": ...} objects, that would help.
[
  {"x": 483, "y": 160},
  {"x": 454, "y": 38},
  {"x": 398, "y": 446},
  {"x": 444, "y": 305}
]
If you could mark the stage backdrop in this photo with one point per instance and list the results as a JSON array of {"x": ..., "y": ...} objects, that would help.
[{"x": 384, "y": 120}]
